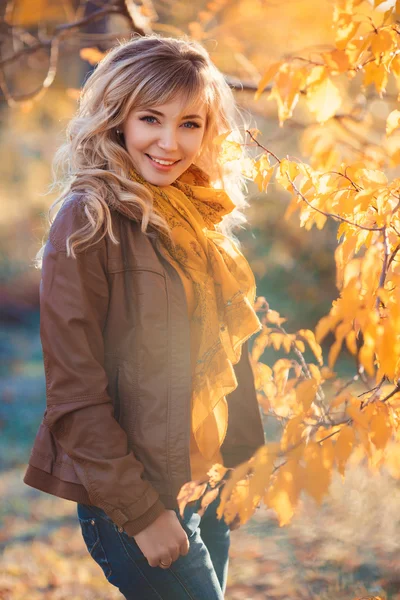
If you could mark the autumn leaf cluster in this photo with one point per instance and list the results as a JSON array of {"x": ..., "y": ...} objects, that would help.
[{"x": 325, "y": 420}]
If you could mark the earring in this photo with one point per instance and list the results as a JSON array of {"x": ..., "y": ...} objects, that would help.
[{"x": 118, "y": 132}]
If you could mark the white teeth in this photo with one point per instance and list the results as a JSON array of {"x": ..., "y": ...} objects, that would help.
[{"x": 163, "y": 162}]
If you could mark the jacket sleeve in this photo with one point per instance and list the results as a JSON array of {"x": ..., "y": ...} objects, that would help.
[{"x": 73, "y": 309}]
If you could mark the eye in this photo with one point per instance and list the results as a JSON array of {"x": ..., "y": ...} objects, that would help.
[
  {"x": 191, "y": 124},
  {"x": 147, "y": 117}
]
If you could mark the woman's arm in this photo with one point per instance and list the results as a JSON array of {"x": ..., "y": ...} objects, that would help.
[{"x": 73, "y": 310}]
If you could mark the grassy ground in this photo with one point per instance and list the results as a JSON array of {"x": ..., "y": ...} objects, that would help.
[{"x": 348, "y": 548}]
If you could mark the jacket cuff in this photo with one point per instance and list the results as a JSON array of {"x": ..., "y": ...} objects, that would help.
[{"x": 136, "y": 525}]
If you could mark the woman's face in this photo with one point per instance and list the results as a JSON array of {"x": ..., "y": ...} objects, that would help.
[{"x": 172, "y": 133}]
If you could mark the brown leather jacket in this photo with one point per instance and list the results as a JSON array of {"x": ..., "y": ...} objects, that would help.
[{"x": 115, "y": 333}]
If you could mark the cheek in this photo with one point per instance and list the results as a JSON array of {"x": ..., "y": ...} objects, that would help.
[
  {"x": 193, "y": 145},
  {"x": 137, "y": 137}
]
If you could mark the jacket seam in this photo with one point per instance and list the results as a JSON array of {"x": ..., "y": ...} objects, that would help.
[
  {"x": 54, "y": 462},
  {"x": 76, "y": 399},
  {"x": 136, "y": 269},
  {"x": 169, "y": 382}
]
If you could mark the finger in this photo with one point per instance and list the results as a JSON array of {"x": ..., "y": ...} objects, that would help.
[
  {"x": 175, "y": 554},
  {"x": 184, "y": 547},
  {"x": 166, "y": 559}
]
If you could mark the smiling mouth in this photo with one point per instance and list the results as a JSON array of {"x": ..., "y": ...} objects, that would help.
[{"x": 165, "y": 163}]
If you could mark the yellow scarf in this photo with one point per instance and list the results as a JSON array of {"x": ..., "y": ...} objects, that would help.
[{"x": 224, "y": 288}]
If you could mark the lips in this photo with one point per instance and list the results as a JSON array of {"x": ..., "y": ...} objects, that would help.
[{"x": 168, "y": 160}]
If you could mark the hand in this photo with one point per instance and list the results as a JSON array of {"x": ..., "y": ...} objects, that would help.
[{"x": 163, "y": 540}]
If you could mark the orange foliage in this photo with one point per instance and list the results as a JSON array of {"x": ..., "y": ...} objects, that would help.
[{"x": 321, "y": 432}]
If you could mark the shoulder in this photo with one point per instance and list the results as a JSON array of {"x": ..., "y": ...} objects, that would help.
[{"x": 74, "y": 219}]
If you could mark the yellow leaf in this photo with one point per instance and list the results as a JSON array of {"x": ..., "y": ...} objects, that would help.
[
  {"x": 328, "y": 451},
  {"x": 355, "y": 49},
  {"x": 317, "y": 471},
  {"x": 340, "y": 398},
  {"x": 293, "y": 433},
  {"x": 281, "y": 373},
  {"x": 260, "y": 343},
  {"x": 367, "y": 353},
  {"x": 382, "y": 41},
  {"x": 351, "y": 342},
  {"x": 360, "y": 417},
  {"x": 299, "y": 344},
  {"x": 287, "y": 172},
  {"x": 238, "y": 473},
  {"x": 324, "y": 326},
  {"x": 221, "y": 138},
  {"x": 334, "y": 351},
  {"x": 376, "y": 74},
  {"x": 315, "y": 372},
  {"x": 263, "y": 463},
  {"x": 262, "y": 375},
  {"x": 288, "y": 341},
  {"x": 277, "y": 339},
  {"x": 263, "y": 176},
  {"x": 189, "y": 492},
  {"x": 372, "y": 179},
  {"x": 91, "y": 55},
  {"x": 327, "y": 373},
  {"x": 283, "y": 495},
  {"x": 266, "y": 78},
  {"x": 309, "y": 336},
  {"x": 387, "y": 349},
  {"x": 230, "y": 151},
  {"x": 305, "y": 393},
  {"x": 216, "y": 474},
  {"x": 380, "y": 426},
  {"x": 344, "y": 446},
  {"x": 274, "y": 317},
  {"x": 324, "y": 100},
  {"x": 288, "y": 83},
  {"x": 337, "y": 61},
  {"x": 346, "y": 30},
  {"x": 393, "y": 122}
]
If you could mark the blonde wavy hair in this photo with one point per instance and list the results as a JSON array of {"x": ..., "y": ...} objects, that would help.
[{"x": 93, "y": 163}]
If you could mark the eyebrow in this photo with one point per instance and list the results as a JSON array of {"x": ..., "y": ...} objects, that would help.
[{"x": 160, "y": 114}]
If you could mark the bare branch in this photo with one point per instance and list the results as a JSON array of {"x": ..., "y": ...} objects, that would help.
[
  {"x": 326, "y": 214},
  {"x": 61, "y": 31},
  {"x": 385, "y": 265}
]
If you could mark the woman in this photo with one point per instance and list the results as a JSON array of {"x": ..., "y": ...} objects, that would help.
[{"x": 146, "y": 309}]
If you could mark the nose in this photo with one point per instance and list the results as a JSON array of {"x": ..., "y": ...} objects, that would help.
[{"x": 168, "y": 140}]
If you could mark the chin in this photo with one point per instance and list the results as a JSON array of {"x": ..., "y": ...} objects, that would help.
[{"x": 161, "y": 180}]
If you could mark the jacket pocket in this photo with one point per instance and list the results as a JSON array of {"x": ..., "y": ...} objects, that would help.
[{"x": 91, "y": 536}]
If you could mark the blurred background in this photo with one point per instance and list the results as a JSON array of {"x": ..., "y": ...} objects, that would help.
[{"x": 44, "y": 555}]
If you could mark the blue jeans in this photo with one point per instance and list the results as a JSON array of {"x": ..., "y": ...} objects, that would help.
[{"x": 200, "y": 575}]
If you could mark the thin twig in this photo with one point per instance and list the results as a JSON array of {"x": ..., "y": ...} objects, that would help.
[
  {"x": 384, "y": 270},
  {"x": 392, "y": 393}
]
